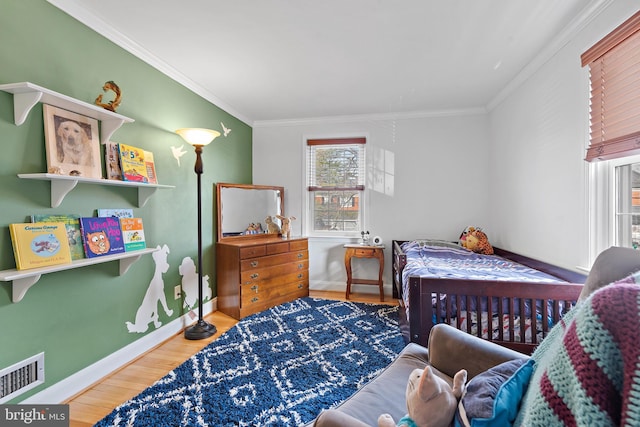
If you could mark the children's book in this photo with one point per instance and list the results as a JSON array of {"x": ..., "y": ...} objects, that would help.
[
  {"x": 151, "y": 167},
  {"x": 112, "y": 160},
  {"x": 39, "y": 244},
  {"x": 72, "y": 225},
  {"x": 116, "y": 213},
  {"x": 132, "y": 234},
  {"x": 101, "y": 236},
  {"x": 132, "y": 163}
]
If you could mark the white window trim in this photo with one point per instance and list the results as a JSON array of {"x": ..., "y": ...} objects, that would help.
[
  {"x": 602, "y": 203},
  {"x": 364, "y": 203}
]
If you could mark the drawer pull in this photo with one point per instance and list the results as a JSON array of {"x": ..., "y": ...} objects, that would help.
[
  {"x": 254, "y": 299},
  {"x": 300, "y": 266},
  {"x": 300, "y": 276},
  {"x": 300, "y": 285},
  {"x": 254, "y": 263},
  {"x": 254, "y": 276},
  {"x": 300, "y": 255},
  {"x": 255, "y": 288}
]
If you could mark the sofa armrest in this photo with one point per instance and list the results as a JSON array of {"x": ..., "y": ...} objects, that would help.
[{"x": 451, "y": 350}]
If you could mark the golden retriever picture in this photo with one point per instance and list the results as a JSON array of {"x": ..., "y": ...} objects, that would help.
[{"x": 73, "y": 144}]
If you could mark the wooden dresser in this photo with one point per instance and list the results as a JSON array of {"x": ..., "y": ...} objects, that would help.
[{"x": 256, "y": 274}]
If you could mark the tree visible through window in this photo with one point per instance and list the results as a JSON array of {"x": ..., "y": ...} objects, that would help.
[{"x": 336, "y": 184}]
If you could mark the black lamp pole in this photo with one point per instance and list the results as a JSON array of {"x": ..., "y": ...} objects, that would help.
[{"x": 201, "y": 329}]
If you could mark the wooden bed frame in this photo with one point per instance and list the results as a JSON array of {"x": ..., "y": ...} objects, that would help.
[{"x": 421, "y": 310}]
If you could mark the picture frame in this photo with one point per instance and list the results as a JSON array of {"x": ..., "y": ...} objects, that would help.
[{"x": 72, "y": 143}]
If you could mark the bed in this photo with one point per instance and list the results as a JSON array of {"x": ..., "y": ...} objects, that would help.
[{"x": 507, "y": 298}]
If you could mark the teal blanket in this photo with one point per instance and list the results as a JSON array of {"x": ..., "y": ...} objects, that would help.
[{"x": 587, "y": 370}]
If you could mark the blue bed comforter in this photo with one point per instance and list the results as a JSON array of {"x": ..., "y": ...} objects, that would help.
[{"x": 450, "y": 261}]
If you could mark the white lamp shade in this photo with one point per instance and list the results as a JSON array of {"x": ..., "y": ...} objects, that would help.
[{"x": 198, "y": 136}]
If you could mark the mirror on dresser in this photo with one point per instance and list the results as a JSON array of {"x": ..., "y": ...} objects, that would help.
[
  {"x": 256, "y": 271},
  {"x": 240, "y": 205}
]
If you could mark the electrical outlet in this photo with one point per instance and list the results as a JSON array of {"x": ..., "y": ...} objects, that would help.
[{"x": 177, "y": 292}]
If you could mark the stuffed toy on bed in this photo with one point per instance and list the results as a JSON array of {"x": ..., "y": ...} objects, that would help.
[
  {"x": 430, "y": 400},
  {"x": 476, "y": 240}
]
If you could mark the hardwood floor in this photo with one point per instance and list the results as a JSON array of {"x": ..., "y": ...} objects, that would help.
[{"x": 94, "y": 403}]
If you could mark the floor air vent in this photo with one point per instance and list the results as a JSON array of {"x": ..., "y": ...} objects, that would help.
[{"x": 22, "y": 376}]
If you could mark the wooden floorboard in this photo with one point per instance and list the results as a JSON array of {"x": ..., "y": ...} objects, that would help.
[{"x": 97, "y": 401}]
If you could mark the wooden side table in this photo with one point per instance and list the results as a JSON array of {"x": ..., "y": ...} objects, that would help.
[{"x": 364, "y": 251}]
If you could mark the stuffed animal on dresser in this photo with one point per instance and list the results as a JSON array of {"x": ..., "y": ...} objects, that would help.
[
  {"x": 430, "y": 400},
  {"x": 272, "y": 227},
  {"x": 286, "y": 225}
]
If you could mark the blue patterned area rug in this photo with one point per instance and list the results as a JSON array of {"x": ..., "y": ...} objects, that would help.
[{"x": 280, "y": 367}]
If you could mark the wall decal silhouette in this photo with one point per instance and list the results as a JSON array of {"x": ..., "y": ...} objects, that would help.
[
  {"x": 148, "y": 310},
  {"x": 190, "y": 283}
]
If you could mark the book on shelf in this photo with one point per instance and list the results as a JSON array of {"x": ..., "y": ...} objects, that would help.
[
  {"x": 101, "y": 236},
  {"x": 151, "y": 167},
  {"x": 39, "y": 244},
  {"x": 132, "y": 163},
  {"x": 112, "y": 160},
  {"x": 116, "y": 213},
  {"x": 132, "y": 234},
  {"x": 72, "y": 225}
]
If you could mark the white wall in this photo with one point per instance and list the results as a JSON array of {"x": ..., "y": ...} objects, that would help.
[
  {"x": 440, "y": 181},
  {"x": 539, "y": 132}
]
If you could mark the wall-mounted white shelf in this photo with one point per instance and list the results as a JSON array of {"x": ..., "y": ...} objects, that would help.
[
  {"x": 26, "y": 95},
  {"x": 22, "y": 280},
  {"x": 61, "y": 185}
]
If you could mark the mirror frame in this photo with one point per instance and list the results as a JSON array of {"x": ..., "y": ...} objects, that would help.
[{"x": 222, "y": 185}]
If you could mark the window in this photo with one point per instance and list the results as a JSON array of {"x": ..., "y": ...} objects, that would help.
[
  {"x": 335, "y": 176},
  {"x": 626, "y": 201},
  {"x": 614, "y": 70}
]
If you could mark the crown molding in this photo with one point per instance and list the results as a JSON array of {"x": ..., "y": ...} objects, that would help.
[
  {"x": 75, "y": 9},
  {"x": 566, "y": 35},
  {"x": 371, "y": 117}
]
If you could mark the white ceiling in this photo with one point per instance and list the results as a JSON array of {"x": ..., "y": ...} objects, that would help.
[{"x": 273, "y": 60}]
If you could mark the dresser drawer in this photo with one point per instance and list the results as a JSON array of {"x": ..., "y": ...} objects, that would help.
[
  {"x": 250, "y": 295},
  {"x": 260, "y": 274},
  {"x": 298, "y": 245},
  {"x": 253, "y": 251},
  {"x": 277, "y": 248},
  {"x": 268, "y": 261}
]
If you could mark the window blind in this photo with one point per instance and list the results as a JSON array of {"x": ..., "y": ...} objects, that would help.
[
  {"x": 336, "y": 164},
  {"x": 614, "y": 69}
]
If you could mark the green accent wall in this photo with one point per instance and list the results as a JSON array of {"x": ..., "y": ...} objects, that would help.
[{"x": 77, "y": 317}]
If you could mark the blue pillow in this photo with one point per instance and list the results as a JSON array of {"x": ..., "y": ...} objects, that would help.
[{"x": 493, "y": 397}]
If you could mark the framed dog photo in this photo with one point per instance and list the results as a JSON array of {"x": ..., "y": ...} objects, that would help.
[{"x": 72, "y": 143}]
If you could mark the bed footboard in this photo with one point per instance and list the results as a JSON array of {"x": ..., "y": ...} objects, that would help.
[{"x": 514, "y": 306}]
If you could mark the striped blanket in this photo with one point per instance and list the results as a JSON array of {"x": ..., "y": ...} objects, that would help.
[{"x": 587, "y": 370}]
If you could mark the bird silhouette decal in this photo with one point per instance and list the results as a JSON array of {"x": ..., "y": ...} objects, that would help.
[
  {"x": 178, "y": 152},
  {"x": 225, "y": 130}
]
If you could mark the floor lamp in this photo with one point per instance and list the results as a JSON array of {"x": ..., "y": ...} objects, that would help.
[{"x": 199, "y": 138}]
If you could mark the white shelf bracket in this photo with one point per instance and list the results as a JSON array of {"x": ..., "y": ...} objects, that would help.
[
  {"x": 59, "y": 189},
  {"x": 144, "y": 193},
  {"x": 21, "y": 286},
  {"x": 108, "y": 127},
  {"x": 125, "y": 263},
  {"x": 22, "y": 105}
]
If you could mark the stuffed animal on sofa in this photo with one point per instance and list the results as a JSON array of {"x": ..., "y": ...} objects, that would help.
[
  {"x": 476, "y": 240},
  {"x": 430, "y": 399}
]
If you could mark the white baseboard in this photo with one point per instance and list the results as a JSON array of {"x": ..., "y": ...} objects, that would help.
[
  {"x": 81, "y": 380},
  {"x": 318, "y": 285}
]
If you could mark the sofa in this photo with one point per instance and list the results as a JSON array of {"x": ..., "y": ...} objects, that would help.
[{"x": 584, "y": 391}]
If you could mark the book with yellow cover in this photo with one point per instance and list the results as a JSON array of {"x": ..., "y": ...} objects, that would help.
[
  {"x": 39, "y": 244},
  {"x": 132, "y": 163},
  {"x": 132, "y": 234}
]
